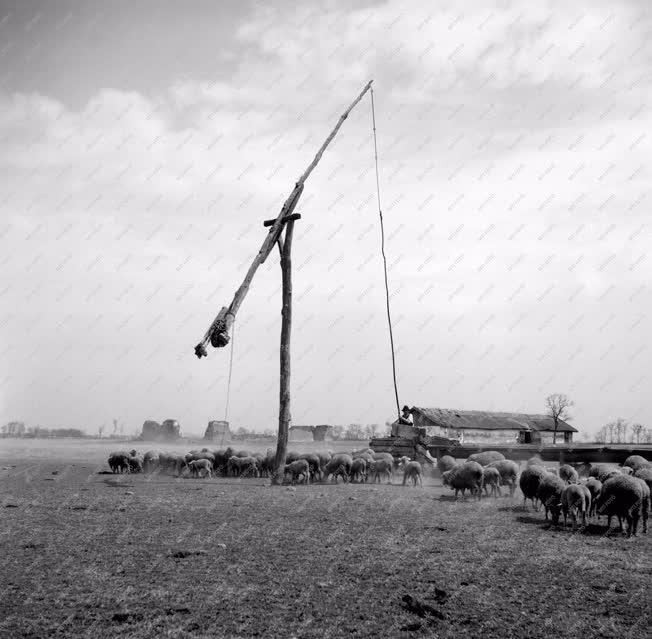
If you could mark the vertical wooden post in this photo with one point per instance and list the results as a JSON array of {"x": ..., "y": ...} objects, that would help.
[{"x": 286, "y": 327}]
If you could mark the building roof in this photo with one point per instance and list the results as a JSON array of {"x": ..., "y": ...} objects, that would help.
[{"x": 486, "y": 420}]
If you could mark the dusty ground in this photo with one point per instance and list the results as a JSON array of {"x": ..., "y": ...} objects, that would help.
[{"x": 92, "y": 555}]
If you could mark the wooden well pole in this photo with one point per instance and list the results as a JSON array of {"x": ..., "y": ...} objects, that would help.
[{"x": 286, "y": 330}]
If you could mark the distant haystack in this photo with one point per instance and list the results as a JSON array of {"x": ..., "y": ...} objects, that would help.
[
  {"x": 217, "y": 430},
  {"x": 318, "y": 433},
  {"x": 167, "y": 431}
]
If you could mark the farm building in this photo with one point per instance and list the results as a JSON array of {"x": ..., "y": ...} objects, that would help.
[
  {"x": 217, "y": 430},
  {"x": 484, "y": 427},
  {"x": 319, "y": 433},
  {"x": 168, "y": 430}
]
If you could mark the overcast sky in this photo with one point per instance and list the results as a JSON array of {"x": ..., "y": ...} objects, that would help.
[{"x": 143, "y": 144}]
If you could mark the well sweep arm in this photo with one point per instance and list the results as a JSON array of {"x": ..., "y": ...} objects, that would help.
[{"x": 218, "y": 332}]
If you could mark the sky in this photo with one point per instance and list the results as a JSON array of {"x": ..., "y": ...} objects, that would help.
[{"x": 143, "y": 144}]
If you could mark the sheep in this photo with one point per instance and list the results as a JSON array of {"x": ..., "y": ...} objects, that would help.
[
  {"x": 569, "y": 474},
  {"x": 491, "y": 479},
  {"x": 192, "y": 456},
  {"x": 627, "y": 498},
  {"x": 324, "y": 457},
  {"x": 412, "y": 470},
  {"x": 549, "y": 494},
  {"x": 485, "y": 458},
  {"x": 646, "y": 475},
  {"x": 291, "y": 457},
  {"x": 382, "y": 467},
  {"x": 446, "y": 463},
  {"x": 298, "y": 468},
  {"x": 315, "y": 465},
  {"x": 594, "y": 486},
  {"x": 198, "y": 465},
  {"x": 135, "y": 463},
  {"x": 626, "y": 470},
  {"x": 151, "y": 461},
  {"x": 359, "y": 470},
  {"x": 637, "y": 461},
  {"x": 552, "y": 470},
  {"x": 388, "y": 456},
  {"x": 603, "y": 472},
  {"x": 466, "y": 476},
  {"x": 529, "y": 482},
  {"x": 575, "y": 499},
  {"x": 242, "y": 466},
  {"x": 508, "y": 470},
  {"x": 535, "y": 461},
  {"x": 333, "y": 467},
  {"x": 119, "y": 461}
]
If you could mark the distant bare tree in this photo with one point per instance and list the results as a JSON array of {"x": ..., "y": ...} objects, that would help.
[
  {"x": 372, "y": 430},
  {"x": 637, "y": 431},
  {"x": 115, "y": 426},
  {"x": 601, "y": 435},
  {"x": 100, "y": 430},
  {"x": 557, "y": 406},
  {"x": 619, "y": 429},
  {"x": 610, "y": 427}
]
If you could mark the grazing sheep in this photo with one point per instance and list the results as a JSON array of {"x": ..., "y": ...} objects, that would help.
[
  {"x": 575, "y": 499},
  {"x": 151, "y": 461},
  {"x": 412, "y": 470},
  {"x": 119, "y": 461},
  {"x": 466, "y": 476},
  {"x": 298, "y": 468},
  {"x": 569, "y": 474},
  {"x": 135, "y": 464},
  {"x": 388, "y": 456},
  {"x": 201, "y": 455},
  {"x": 529, "y": 482},
  {"x": 535, "y": 461},
  {"x": 333, "y": 466},
  {"x": 637, "y": 461},
  {"x": 603, "y": 472},
  {"x": 485, "y": 458},
  {"x": 508, "y": 470},
  {"x": 315, "y": 465},
  {"x": 594, "y": 486},
  {"x": 646, "y": 475},
  {"x": 242, "y": 466},
  {"x": 292, "y": 456},
  {"x": 626, "y": 470},
  {"x": 196, "y": 466},
  {"x": 382, "y": 467},
  {"x": 324, "y": 457},
  {"x": 552, "y": 470},
  {"x": 445, "y": 463},
  {"x": 627, "y": 498},
  {"x": 549, "y": 494},
  {"x": 341, "y": 471},
  {"x": 359, "y": 470},
  {"x": 491, "y": 480}
]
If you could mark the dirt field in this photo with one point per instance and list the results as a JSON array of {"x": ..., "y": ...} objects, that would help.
[{"x": 93, "y": 555}]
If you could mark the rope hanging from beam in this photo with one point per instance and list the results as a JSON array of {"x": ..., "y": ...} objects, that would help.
[{"x": 382, "y": 250}]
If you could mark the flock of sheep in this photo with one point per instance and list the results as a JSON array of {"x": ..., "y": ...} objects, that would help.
[{"x": 622, "y": 492}]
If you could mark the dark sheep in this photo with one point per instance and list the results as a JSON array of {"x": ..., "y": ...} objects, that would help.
[
  {"x": 529, "y": 483},
  {"x": 151, "y": 461},
  {"x": 315, "y": 465},
  {"x": 627, "y": 498},
  {"x": 549, "y": 494},
  {"x": 242, "y": 467},
  {"x": 466, "y": 476},
  {"x": 485, "y": 458},
  {"x": 119, "y": 461},
  {"x": 136, "y": 464},
  {"x": 380, "y": 468},
  {"x": 412, "y": 471}
]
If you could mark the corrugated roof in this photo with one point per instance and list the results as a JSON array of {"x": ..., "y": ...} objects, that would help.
[{"x": 486, "y": 420}]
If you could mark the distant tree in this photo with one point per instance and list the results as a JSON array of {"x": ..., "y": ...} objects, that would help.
[
  {"x": 601, "y": 435},
  {"x": 115, "y": 426},
  {"x": 557, "y": 406},
  {"x": 637, "y": 430},
  {"x": 354, "y": 431},
  {"x": 100, "y": 430},
  {"x": 372, "y": 430},
  {"x": 14, "y": 429},
  {"x": 618, "y": 430},
  {"x": 338, "y": 432}
]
